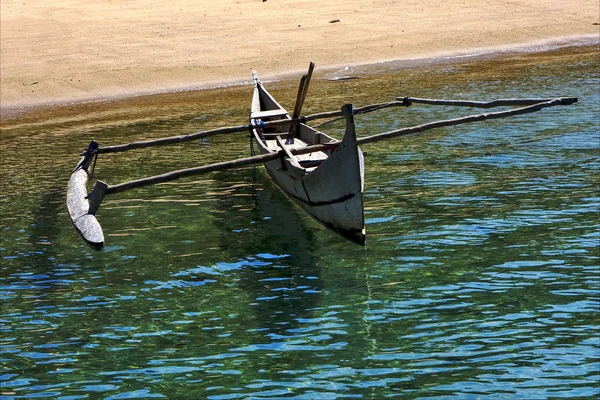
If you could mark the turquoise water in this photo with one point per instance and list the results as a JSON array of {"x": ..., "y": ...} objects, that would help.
[{"x": 479, "y": 280}]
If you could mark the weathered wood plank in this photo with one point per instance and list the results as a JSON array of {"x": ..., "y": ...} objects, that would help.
[
  {"x": 268, "y": 114},
  {"x": 302, "y": 91},
  {"x": 290, "y": 160},
  {"x": 297, "y": 108}
]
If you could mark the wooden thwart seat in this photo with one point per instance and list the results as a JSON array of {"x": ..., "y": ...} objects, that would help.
[
  {"x": 292, "y": 158},
  {"x": 311, "y": 163},
  {"x": 310, "y": 160},
  {"x": 269, "y": 114}
]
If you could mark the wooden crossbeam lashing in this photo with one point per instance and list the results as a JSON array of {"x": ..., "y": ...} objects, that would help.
[{"x": 302, "y": 91}]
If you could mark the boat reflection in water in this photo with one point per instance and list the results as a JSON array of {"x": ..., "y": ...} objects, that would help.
[{"x": 273, "y": 241}]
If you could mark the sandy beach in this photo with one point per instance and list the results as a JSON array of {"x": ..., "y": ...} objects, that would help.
[{"x": 64, "y": 51}]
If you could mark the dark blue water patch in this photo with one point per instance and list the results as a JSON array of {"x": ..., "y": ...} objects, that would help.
[
  {"x": 99, "y": 388},
  {"x": 442, "y": 178},
  {"x": 269, "y": 256},
  {"x": 461, "y": 201},
  {"x": 549, "y": 184},
  {"x": 377, "y": 220},
  {"x": 589, "y": 140},
  {"x": 511, "y": 160},
  {"x": 155, "y": 333},
  {"x": 200, "y": 270},
  {"x": 526, "y": 263},
  {"x": 173, "y": 284},
  {"x": 399, "y": 159},
  {"x": 583, "y": 306},
  {"x": 220, "y": 269},
  {"x": 151, "y": 371},
  {"x": 136, "y": 394},
  {"x": 236, "y": 266},
  {"x": 470, "y": 231}
]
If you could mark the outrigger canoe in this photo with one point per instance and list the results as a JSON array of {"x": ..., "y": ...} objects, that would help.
[
  {"x": 327, "y": 184},
  {"x": 322, "y": 175}
]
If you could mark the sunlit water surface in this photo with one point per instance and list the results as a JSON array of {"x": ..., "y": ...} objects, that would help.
[{"x": 480, "y": 277}]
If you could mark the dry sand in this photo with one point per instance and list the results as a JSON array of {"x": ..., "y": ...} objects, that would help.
[{"x": 61, "y": 51}]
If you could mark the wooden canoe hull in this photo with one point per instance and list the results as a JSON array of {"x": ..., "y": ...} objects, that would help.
[{"x": 332, "y": 191}]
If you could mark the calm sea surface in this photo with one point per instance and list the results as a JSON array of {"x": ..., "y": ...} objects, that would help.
[{"x": 480, "y": 278}]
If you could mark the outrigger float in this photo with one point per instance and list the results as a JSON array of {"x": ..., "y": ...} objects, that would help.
[{"x": 322, "y": 175}]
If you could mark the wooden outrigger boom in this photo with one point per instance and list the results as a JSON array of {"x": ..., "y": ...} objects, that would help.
[
  {"x": 82, "y": 208},
  {"x": 400, "y": 102}
]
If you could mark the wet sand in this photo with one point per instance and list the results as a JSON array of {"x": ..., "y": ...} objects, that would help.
[{"x": 65, "y": 51}]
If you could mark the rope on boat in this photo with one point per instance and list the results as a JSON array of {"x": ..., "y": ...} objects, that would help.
[
  {"x": 91, "y": 151},
  {"x": 251, "y": 142},
  {"x": 91, "y": 174}
]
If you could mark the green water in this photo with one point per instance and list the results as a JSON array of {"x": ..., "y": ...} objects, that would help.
[{"x": 480, "y": 277}]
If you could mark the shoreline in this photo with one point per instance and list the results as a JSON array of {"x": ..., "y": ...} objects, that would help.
[
  {"x": 327, "y": 73},
  {"x": 71, "y": 51},
  {"x": 450, "y": 57}
]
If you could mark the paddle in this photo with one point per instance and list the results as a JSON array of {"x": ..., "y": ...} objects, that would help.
[{"x": 302, "y": 90}]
